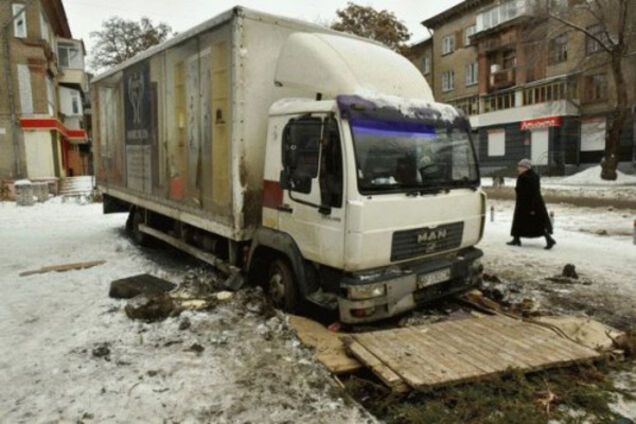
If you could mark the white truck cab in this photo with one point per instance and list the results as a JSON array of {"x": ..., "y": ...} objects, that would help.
[{"x": 383, "y": 201}]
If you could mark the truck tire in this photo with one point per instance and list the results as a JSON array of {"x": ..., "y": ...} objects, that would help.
[
  {"x": 281, "y": 286},
  {"x": 135, "y": 218}
]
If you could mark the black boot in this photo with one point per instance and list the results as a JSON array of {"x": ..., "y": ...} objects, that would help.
[
  {"x": 550, "y": 242},
  {"x": 515, "y": 242}
]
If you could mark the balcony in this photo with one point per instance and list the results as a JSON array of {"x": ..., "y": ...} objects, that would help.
[
  {"x": 70, "y": 60},
  {"x": 501, "y": 14},
  {"x": 503, "y": 78}
]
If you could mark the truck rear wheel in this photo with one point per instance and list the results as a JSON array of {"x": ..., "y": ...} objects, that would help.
[
  {"x": 136, "y": 218},
  {"x": 281, "y": 286}
]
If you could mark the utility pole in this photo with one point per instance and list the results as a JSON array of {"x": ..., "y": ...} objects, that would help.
[{"x": 8, "y": 72}]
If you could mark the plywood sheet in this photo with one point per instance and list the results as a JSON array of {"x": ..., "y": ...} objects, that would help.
[{"x": 458, "y": 351}]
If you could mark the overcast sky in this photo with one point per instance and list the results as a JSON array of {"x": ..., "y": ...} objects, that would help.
[{"x": 86, "y": 16}]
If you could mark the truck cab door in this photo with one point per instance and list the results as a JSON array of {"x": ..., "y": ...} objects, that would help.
[{"x": 312, "y": 180}]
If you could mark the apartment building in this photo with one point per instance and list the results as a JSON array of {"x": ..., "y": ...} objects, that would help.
[
  {"x": 42, "y": 91},
  {"x": 531, "y": 87}
]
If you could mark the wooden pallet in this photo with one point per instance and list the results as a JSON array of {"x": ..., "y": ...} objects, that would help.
[{"x": 459, "y": 351}]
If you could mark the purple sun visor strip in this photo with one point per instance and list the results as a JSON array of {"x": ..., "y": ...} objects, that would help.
[{"x": 391, "y": 128}]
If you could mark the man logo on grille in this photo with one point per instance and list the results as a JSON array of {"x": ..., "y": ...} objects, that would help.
[{"x": 428, "y": 236}]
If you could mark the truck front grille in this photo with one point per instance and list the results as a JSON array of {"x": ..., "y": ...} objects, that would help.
[{"x": 425, "y": 241}]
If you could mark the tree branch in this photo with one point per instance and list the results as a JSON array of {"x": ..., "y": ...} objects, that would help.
[{"x": 581, "y": 29}]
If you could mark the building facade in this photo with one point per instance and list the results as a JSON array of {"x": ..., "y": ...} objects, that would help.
[
  {"x": 42, "y": 92},
  {"x": 531, "y": 86}
]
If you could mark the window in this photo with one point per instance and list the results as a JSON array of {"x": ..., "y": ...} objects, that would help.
[
  {"x": 596, "y": 87},
  {"x": 19, "y": 22},
  {"x": 471, "y": 73},
  {"x": 448, "y": 44},
  {"x": 50, "y": 95},
  {"x": 331, "y": 186},
  {"x": 496, "y": 143},
  {"x": 559, "y": 49},
  {"x": 301, "y": 147},
  {"x": 448, "y": 81},
  {"x": 76, "y": 102},
  {"x": 68, "y": 55},
  {"x": 467, "y": 33},
  {"x": 509, "y": 59},
  {"x": 426, "y": 65},
  {"x": 44, "y": 28},
  {"x": 593, "y": 135},
  {"x": 26, "y": 92},
  {"x": 591, "y": 45}
]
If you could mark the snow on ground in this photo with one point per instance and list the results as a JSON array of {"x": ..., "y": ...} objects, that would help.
[
  {"x": 597, "y": 241},
  {"x": 251, "y": 369},
  {"x": 585, "y": 184},
  {"x": 592, "y": 177}
]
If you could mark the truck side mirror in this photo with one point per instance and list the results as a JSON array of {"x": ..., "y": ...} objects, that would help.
[{"x": 291, "y": 156}]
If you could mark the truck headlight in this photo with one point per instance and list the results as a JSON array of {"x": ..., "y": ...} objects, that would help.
[{"x": 367, "y": 291}]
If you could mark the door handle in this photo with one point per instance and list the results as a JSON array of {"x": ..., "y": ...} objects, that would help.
[{"x": 285, "y": 208}]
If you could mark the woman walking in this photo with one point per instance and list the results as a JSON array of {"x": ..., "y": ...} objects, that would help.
[{"x": 531, "y": 218}]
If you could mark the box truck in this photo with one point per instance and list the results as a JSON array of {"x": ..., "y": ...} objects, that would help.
[{"x": 310, "y": 161}]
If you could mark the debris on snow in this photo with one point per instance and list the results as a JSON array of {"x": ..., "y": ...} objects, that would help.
[
  {"x": 569, "y": 271},
  {"x": 150, "y": 308},
  {"x": 63, "y": 268},
  {"x": 224, "y": 295},
  {"x": 129, "y": 287},
  {"x": 102, "y": 351}
]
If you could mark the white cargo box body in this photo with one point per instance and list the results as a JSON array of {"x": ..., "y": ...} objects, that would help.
[{"x": 181, "y": 129}]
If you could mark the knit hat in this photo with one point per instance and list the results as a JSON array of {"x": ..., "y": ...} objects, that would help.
[{"x": 525, "y": 163}]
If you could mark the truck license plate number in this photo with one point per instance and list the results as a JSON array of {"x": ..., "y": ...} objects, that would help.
[{"x": 425, "y": 280}]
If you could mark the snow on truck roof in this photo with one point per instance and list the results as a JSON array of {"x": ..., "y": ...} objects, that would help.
[{"x": 216, "y": 22}]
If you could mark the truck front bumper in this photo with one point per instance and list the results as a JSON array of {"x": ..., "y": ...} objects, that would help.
[{"x": 399, "y": 289}]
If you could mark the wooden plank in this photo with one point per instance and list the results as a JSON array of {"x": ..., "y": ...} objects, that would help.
[
  {"x": 63, "y": 267},
  {"x": 489, "y": 344},
  {"x": 535, "y": 334},
  {"x": 503, "y": 345},
  {"x": 453, "y": 359},
  {"x": 459, "y": 351},
  {"x": 330, "y": 350},
  {"x": 397, "y": 356},
  {"x": 383, "y": 372}
]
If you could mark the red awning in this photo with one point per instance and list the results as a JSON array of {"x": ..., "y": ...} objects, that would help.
[{"x": 52, "y": 124}]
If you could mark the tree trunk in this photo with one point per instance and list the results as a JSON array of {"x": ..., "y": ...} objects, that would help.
[{"x": 617, "y": 119}]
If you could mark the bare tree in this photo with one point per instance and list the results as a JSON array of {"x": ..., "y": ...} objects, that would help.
[
  {"x": 610, "y": 25},
  {"x": 378, "y": 25},
  {"x": 121, "y": 39}
]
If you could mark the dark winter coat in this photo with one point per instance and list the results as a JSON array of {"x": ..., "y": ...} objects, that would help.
[{"x": 531, "y": 217}]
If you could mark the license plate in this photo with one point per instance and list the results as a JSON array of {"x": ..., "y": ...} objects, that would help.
[{"x": 425, "y": 280}]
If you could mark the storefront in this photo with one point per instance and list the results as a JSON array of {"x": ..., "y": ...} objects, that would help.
[{"x": 52, "y": 150}]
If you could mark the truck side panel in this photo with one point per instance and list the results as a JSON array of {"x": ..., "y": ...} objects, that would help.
[{"x": 163, "y": 128}]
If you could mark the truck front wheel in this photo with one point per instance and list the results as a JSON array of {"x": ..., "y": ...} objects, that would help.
[{"x": 281, "y": 286}]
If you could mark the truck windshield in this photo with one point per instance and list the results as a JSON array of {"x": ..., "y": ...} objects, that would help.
[{"x": 412, "y": 156}]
